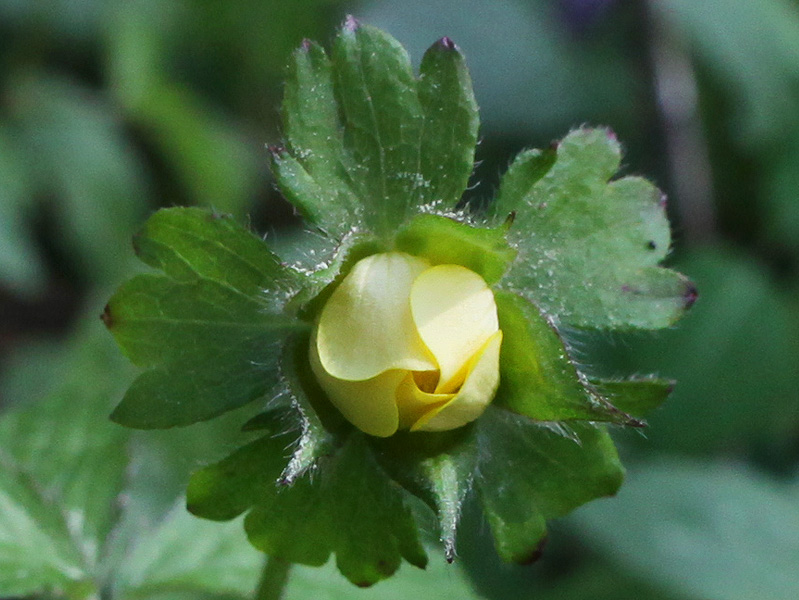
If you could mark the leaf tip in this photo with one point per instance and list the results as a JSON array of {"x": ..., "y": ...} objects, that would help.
[
  {"x": 690, "y": 295},
  {"x": 535, "y": 554},
  {"x": 449, "y": 550},
  {"x": 106, "y": 317},
  {"x": 351, "y": 24},
  {"x": 447, "y": 44},
  {"x": 276, "y": 150}
]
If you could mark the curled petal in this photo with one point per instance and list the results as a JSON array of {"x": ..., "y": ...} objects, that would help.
[
  {"x": 414, "y": 403},
  {"x": 366, "y": 326},
  {"x": 476, "y": 393},
  {"x": 370, "y": 405},
  {"x": 455, "y": 314}
]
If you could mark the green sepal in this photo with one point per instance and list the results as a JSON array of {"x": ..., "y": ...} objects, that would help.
[
  {"x": 451, "y": 123},
  {"x": 209, "y": 330},
  {"x": 637, "y": 396},
  {"x": 590, "y": 248},
  {"x": 537, "y": 377},
  {"x": 436, "y": 467},
  {"x": 442, "y": 240},
  {"x": 529, "y": 473},
  {"x": 313, "y": 409},
  {"x": 348, "y": 507}
]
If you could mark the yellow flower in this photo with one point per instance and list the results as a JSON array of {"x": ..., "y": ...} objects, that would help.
[{"x": 401, "y": 344}]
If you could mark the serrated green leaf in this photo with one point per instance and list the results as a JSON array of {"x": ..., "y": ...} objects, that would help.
[
  {"x": 191, "y": 243},
  {"x": 637, "y": 397},
  {"x": 228, "y": 488},
  {"x": 349, "y": 507},
  {"x": 589, "y": 249},
  {"x": 383, "y": 120},
  {"x": 529, "y": 473},
  {"x": 438, "y": 468},
  {"x": 451, "y": 122},
  {"x": 524, "y": 172},
  {"x": 538, "y": 379},
  {"x": 211, "y": 349},
  {"x": 373, "y": 527},
  {"x": 314, "y": 178},
  {"x": 442, "y": 240}
]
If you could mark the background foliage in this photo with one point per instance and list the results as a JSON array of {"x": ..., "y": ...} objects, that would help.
[{"x": 110, "y": 109}]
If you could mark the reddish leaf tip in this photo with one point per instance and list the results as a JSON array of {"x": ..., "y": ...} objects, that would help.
[
  {"x": 351, "y": 24},
  {"x": 535, "y": 554},
  {"x": 447, "y": 43},
  {"x": 106, "y": 317},
  {"x": 691, "y": 295}
]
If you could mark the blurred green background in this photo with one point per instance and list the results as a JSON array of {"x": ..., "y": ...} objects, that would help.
[{"x": 110, "y": 109}]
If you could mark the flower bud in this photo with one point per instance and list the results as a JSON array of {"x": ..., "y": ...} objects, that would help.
[{"x": 402, "y": 344}]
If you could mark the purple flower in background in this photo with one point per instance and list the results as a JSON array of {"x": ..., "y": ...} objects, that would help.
[{"x": 582, "y": 14}]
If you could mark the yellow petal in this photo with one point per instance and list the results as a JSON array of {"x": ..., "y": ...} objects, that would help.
[
  {"x": 366, "y": 326},
  {"x": 413, "y": 403},
  {"x": 370, "y": 405},
  {"x": 455, "y": 313},
  {"x": 476, "y": 394}
]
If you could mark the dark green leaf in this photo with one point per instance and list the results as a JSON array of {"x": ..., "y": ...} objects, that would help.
[
  {"x": 438, "y": 468},
  {"x": 314, "y": 178},
  {"x": 524, "y": 172},
  {"x": 348, "y": 507},
  {"x": 376, "y": 92},
  {"x": 191, "y": 243},
  {"x": 589, "y": 249},
  {"x": 451, "y": 122},
  {"x": 537, "y": 377},
  {"x": 529, "y": 473},
  {"x": 211, "y": 349},
  {"x": 445, "y": 241},
  {"x": 637, "y": 397}
]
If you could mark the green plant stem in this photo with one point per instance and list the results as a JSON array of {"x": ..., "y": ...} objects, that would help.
[{"x": 273, "y": 579}]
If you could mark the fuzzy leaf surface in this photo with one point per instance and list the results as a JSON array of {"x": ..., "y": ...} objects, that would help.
[
  {"x": 537, "y": 377},
  {"x": 366, "y": 140},
  {"x": 637, "y": 396},
  {"x": 529, "y": 473},
  {"x": 590, "y": 247},
  {"x": 209, "y": 330},
  {"x": 349, "y": 507},
  {"x": 451, "y": 122}
]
